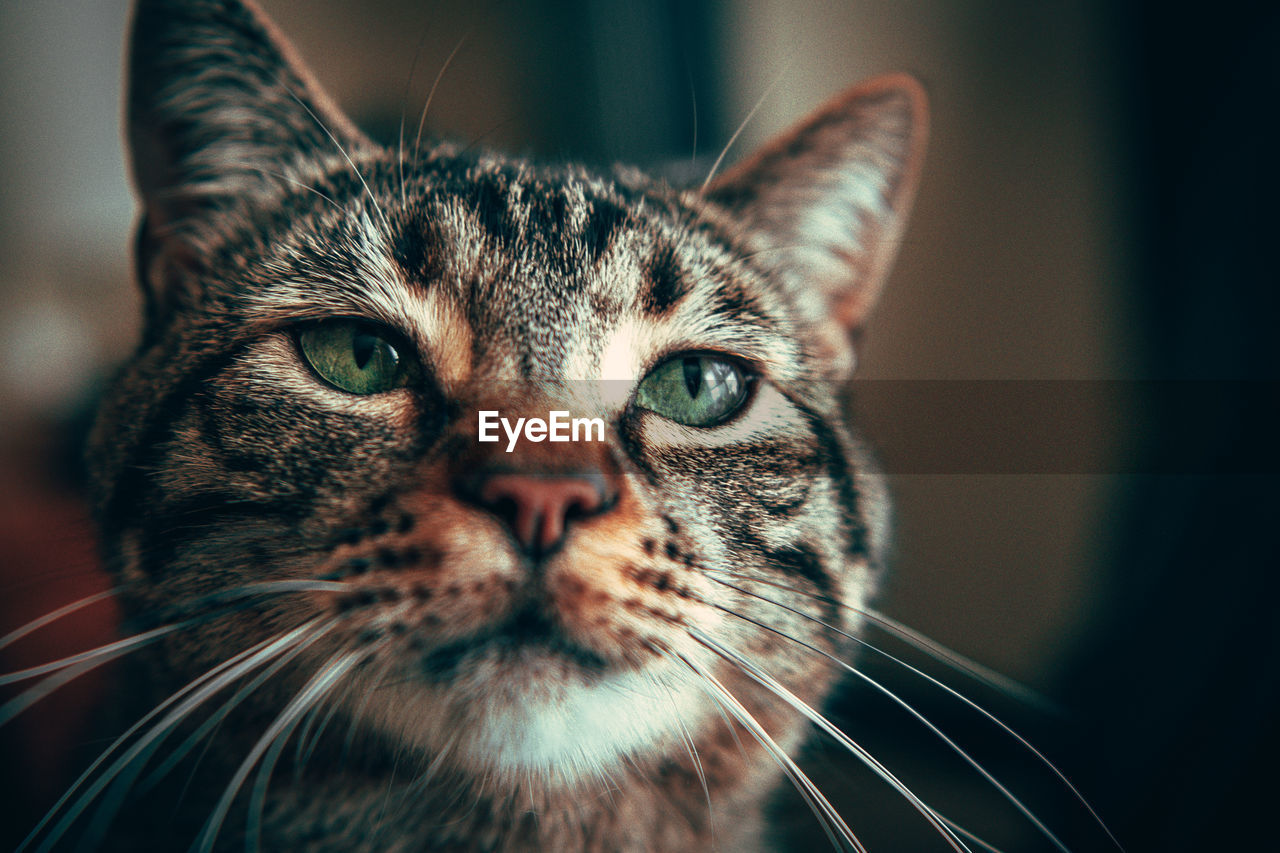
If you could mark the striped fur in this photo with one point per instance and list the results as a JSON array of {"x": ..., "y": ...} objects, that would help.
[{"x": 542, "y": 697}]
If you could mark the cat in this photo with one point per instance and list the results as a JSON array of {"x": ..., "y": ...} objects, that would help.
[{"x": 357, "y": 624}]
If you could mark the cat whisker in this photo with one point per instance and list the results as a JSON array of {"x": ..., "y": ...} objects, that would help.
[
  {"x": 376, "y": 820},
  {"x": 969, "y": 836},
  {"x": 955, "y": 747},
  {"x": 67, "y": 669},
  {"x": 350, "y": 739},
  {"x": 693, "y": 100},
  {"x": 492, "y": 129},
  {"x": 832, "y": 823},
  {"x": 54, "y": 615},
  {"x": 764, "y": 96},
  {"x": 404, "y": 105},
  {"x": 32, "y": 695},
  {"x": 1079, "y": 797},
  {"x": 196, "y": 693},
  {"x": 300, "y": 185},
  {"x": 968, "y": 666},
  {"x": 386, "y": 224},
  {"x": 424, "y": 778},
  {"x": 320, "y": 684},
  {"x": 999, "y": 681},
  {"x": 119, "y": 791},
  {"x": 250, "y": 595},
  {"x": 308, "y": 741},
  {"x": 770, "y": 683},
  {"x": 96, "y": 656},
  {"x": 215, "y": 719},
  {"x": 692, "y": 749},
  {"x": 258, "y": 796},
  {"x": 422, "y": 117}
]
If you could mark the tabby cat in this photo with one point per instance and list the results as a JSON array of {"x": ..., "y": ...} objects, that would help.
[{"x": 354, "y": 625}]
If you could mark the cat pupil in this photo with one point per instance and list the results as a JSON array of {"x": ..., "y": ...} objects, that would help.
[
  {"x": 363, "y": 346},
  {"x": 693, "y": 376}
]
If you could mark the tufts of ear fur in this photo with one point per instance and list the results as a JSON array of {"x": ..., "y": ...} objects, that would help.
[
  {"x": 218, "y": 107},
  {"x": 829, "y": 198}
]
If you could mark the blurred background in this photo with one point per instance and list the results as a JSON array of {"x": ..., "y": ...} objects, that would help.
[{"x": 1071, "y": 375}]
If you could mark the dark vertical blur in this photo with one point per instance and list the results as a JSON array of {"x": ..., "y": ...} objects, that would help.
[{"x": 1178, "y": 684}]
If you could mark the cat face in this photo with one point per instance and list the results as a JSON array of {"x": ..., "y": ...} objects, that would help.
[{"x": 293, "y": 459}]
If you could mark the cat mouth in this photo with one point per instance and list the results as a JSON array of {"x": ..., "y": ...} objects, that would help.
[{"x": 527, "y": 638}]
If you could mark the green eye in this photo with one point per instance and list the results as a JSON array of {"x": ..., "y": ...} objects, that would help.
[
  {"x": 354, "y": 356},
  {"x": 696, "y": 390}
]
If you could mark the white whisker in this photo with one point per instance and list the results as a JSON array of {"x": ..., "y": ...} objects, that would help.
[
  {"x": 404, "y": 104},
  {"x": 693, "y": 99},
  {"x": 832, "y": 823},
  {"x": 746, "y": 121},
  {"x": 991, "y": 677},
  {"x": 72, "y": 666},
  {"x": 766, "y": 680},
  {"x": 424, "y": 778},
  {"x": 252, "y": 590},
  {"x": 300, "y": 185},
  {"x": 307, "y": 747},
  {"x": 1022, "y": 741},
  {"x": 315, "y": 689},
  {"x": 120, "y": 788},
  {"x": 692, "y": 749},
  {"x": 386, "y": 224},
  {"x": 955, "y": 747},
  {"x": 96, "y": 656},
  {"x": 422, "y": 117},
  {"x": 37, "y": 624},
  {"x": 985, "y": 845},
  {"x": 258, "y": 796},
  {"x": 105, "y": 754},
  {"x": 204, "y": 687},
  {"x": 934, "y": 649},
  {"x": 215, "y": 719}
]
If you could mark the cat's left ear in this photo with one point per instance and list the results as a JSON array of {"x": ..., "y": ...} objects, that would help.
[
  {"x": 220, "y": 111},
  {"x": 829, "y": 198},
  {"x": 219, "y": 103}
]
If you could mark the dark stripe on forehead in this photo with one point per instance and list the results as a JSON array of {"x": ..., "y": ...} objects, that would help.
[
  {"x": 547, "y": 209},
  {"x": 419, "y": 250},
  {"x": 666, "y": 284},
  {"x": 603, "y": 224},
  {"x": 490, "y": 203}
]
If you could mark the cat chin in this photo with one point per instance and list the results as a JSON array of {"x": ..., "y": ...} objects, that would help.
[{"x": 553, "y": 733}]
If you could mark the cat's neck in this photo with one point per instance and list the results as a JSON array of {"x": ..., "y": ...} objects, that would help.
[
  {"x": 330, "y": 792},
  {"x": 662, "y": 810}
]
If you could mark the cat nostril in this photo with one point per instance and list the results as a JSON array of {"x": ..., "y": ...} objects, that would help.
[{"x": 538, "y": 509}]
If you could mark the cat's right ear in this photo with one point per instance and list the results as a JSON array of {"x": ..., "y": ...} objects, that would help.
[
  {"x": 827, "y": 200},
  {"x": 219, "y": 108}
]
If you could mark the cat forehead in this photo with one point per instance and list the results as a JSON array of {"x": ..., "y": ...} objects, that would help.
[{"x": 499, "y": 266}]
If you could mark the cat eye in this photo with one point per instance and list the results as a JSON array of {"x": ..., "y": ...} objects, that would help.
[
  {"x": 695, "y": 390},
  {"x": 355, "y": 356}
]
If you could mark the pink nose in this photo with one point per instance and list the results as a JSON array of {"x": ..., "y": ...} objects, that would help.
[{"x": 538, "y": 509}]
